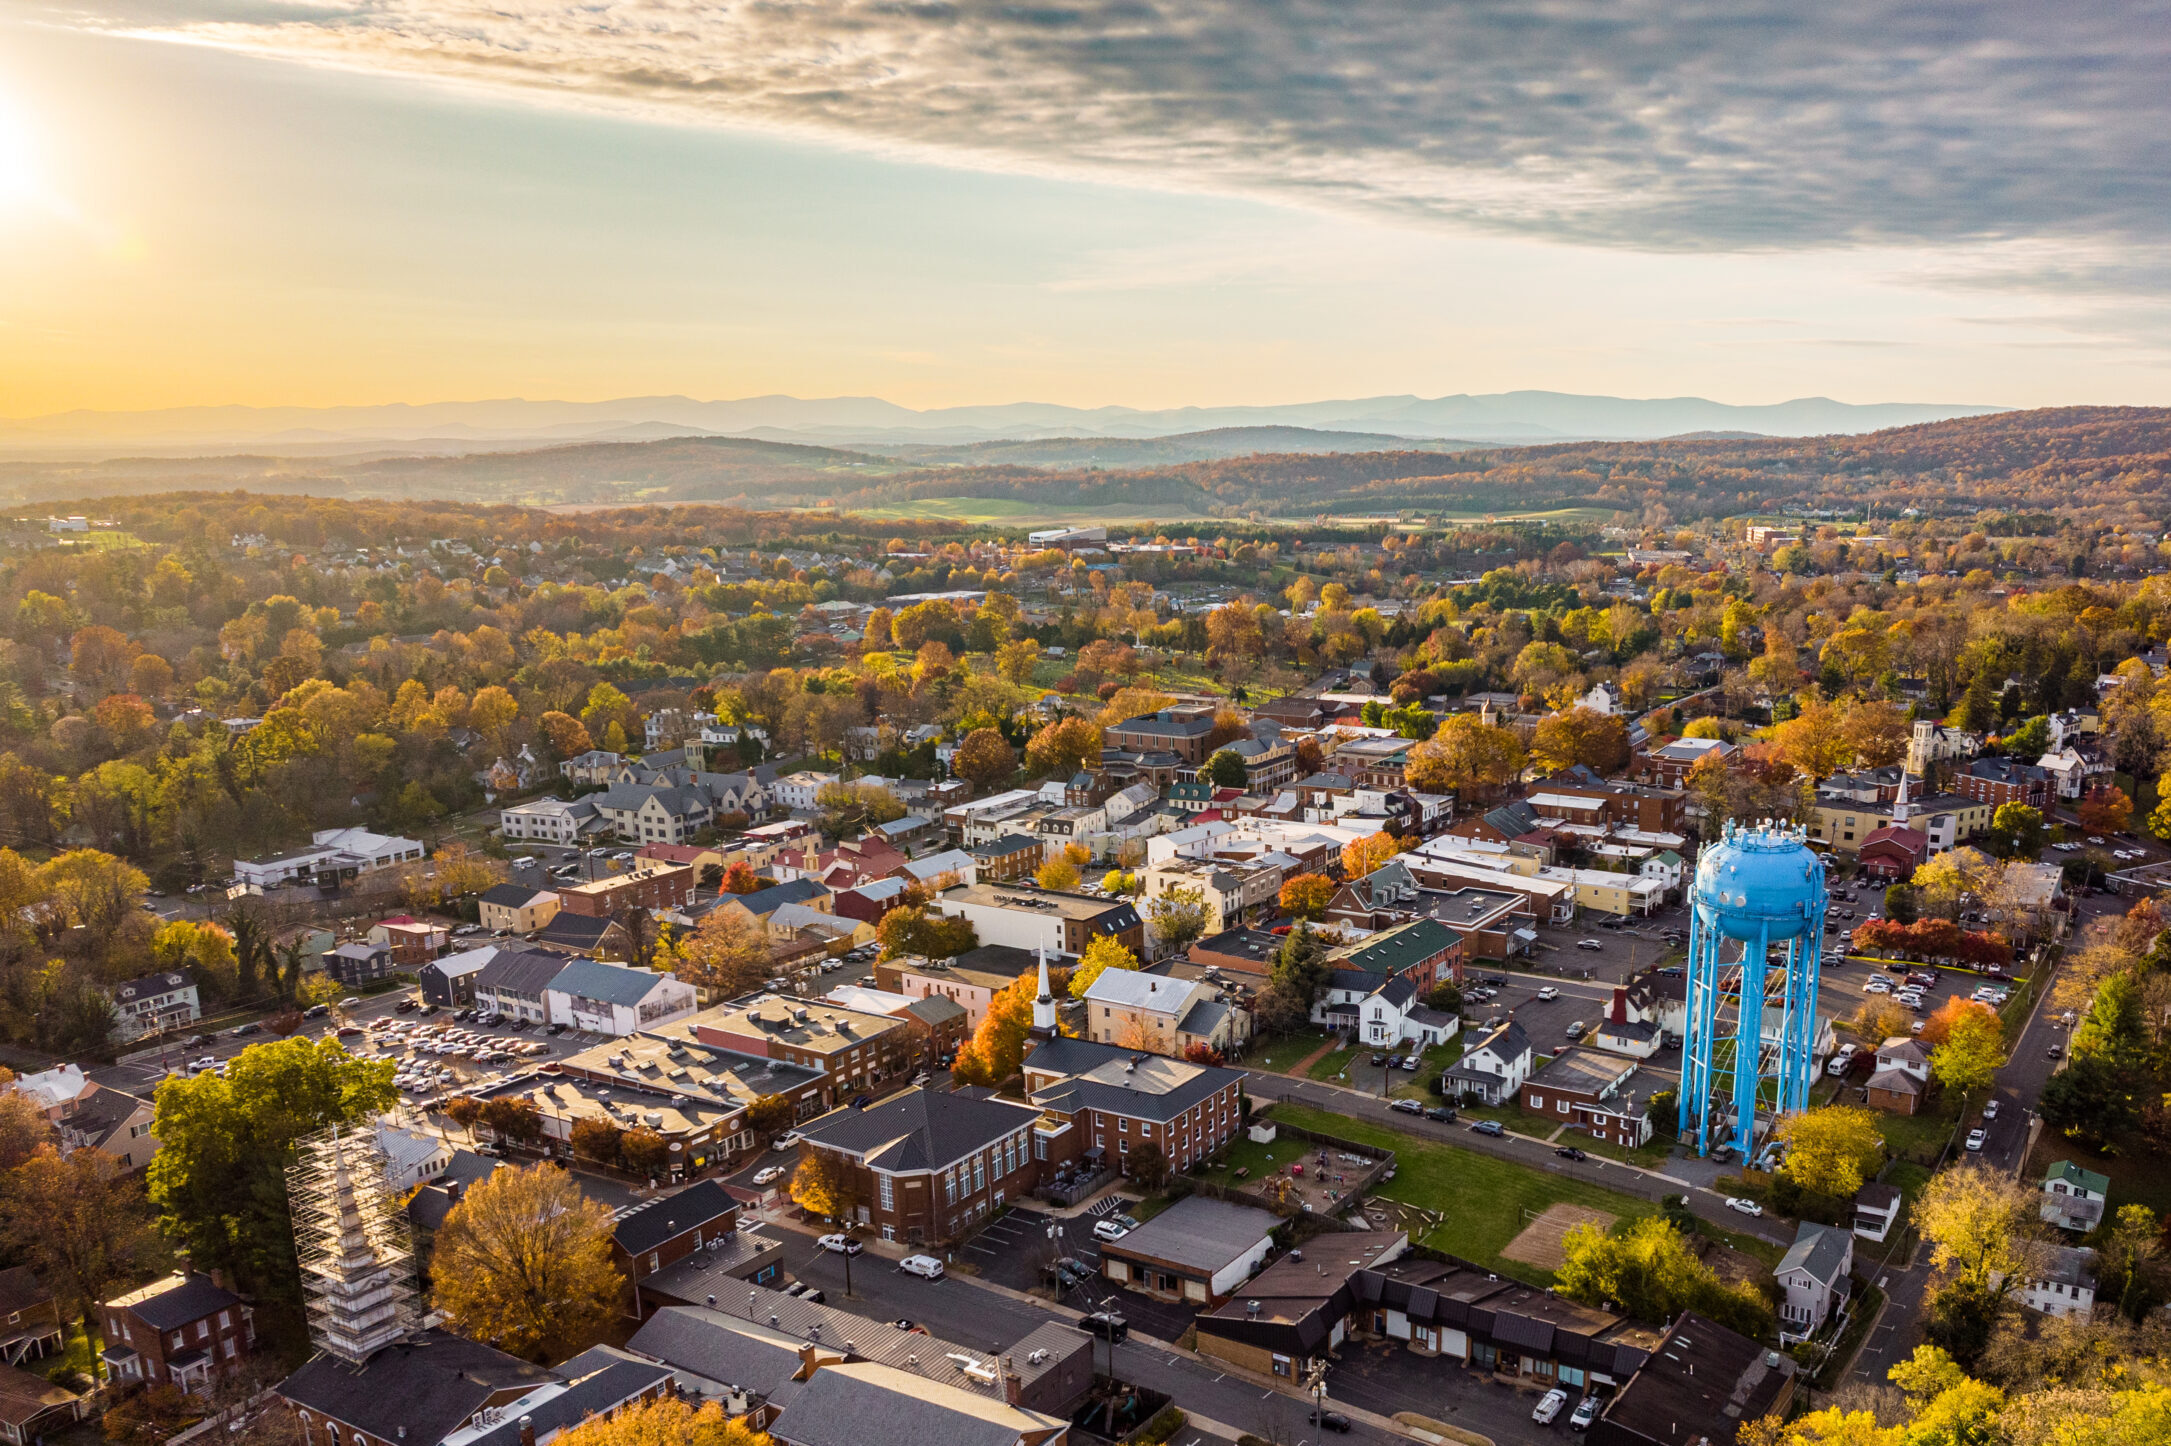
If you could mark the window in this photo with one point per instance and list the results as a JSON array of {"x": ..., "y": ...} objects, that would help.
[
  {"x": 889, "y": 1198},
  {"x": 1537, "y": 1102}
]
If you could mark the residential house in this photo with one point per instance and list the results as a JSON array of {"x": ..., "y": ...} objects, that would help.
[
  {"x": 1492, "y": 1068},
  {"x": 31, "y": 1406},
  {"x": 450, "y": 981},
  {"x": 612, "y": 999},
  {"x": 800, "y": 791},
  {"x": 927, "y": 1166},
  {"x": 357, "y": 964},
  {"x": 1160, "y": 1014},
  {"x": 1182, "y": 731},
  {"x": 1010, "y": 857},
  {"x": 551, "y": 820},
  {"x": 2067, "y": 1286},
  {"x": 1876, "y": 1211},
  {"x": 412, "y": 941},
  {"x": 1584, "y": 1089},
  {"x": 1998, "y": 781},
  {"x": 517, "y": 908},
  {"x": 32, "y": 1329},
  {"x": 2074, "y": 1198},
  {"x": 153, "y": 1004},
  {"x": 970, "y": 981},
  {"x": 411, "y": 1158},
  {"x": 1814, "y": 1276},
  {"x": 513, "y": 983},
  {"x": 655, "y": 812},
  {"x": 1198, "y": 1251},
  {"x": 335, "y": 856},
  {"x": 112, "y": 1121},
  {"x": 1893, "y": 852},
  {"x": 183, "y": 1330},
  {"x": 1900, "y": 1079},
  {"x": 595, "y": 767},
  {"x": 1668, "y": 764}
]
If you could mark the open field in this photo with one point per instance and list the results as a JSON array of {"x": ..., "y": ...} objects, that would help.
[
  {"x": 1480, "y": 1199},
  {"x": 1011, "y": 512},
  {"x": 1539, "y": 1242}
]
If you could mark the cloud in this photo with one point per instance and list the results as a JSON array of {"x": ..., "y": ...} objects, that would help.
[{"x": 1684, "y": 125}]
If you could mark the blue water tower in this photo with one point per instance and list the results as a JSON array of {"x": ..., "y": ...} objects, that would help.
[{"x": 1758, "y": 903}]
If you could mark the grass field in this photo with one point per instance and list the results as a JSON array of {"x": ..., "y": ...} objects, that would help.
[
  {"x": 1279, "y": 1054},
  {"x": 1482, "y": 1200},
  {"x": 1011, "y": 512}
]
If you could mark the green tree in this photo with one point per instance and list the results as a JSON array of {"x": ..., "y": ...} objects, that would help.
[
  {"x": 1177, "y": 916},
  {"x": 1225, "y": 770},
  {"x": 218, "y": 1180},
  {"x": 2018, "y": 829},
  {"x": 2091, "y": 1101},
  {"x": 1968, "y": 1060},
  {"x": 2114, "y": 1030},
  {"x": 1900, "y": 903}
]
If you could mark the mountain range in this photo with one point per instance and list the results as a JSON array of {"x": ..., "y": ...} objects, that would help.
[{"x": 452, "y": 428}]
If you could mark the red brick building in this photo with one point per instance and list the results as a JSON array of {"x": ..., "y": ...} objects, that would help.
[
  {"x": 184, "y": 1330},
  {"x": 650, "y": 884},
  {"x": 658, "y": 1235},
  {"x": 2004, "y": 780}
]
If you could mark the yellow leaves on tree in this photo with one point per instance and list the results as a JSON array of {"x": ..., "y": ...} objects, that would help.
[
  {"x": 1101, "y": 955},
  {"x": 1362, "y": 856},
  {"x": 1831, "y": 1151},
  {"x": 525, "y": 1261},
  {"x": 997, "y": 1047},
  {"x": 820, "y": 1186},
  {"x": 670, "y": 1421}
]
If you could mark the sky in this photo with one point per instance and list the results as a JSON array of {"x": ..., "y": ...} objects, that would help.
[{"x": 1133, "y": 202}]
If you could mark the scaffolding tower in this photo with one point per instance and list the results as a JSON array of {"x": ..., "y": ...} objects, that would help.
[{"x": 357, "y": 1254}]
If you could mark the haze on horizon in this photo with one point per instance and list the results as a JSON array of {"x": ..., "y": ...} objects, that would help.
[{"x": 1155, "y": 205}]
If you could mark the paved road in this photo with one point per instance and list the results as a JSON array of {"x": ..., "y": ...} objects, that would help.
[{"x": 1707, "y": 1204}]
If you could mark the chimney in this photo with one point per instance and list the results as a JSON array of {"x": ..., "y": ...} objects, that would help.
[
  {"x": 1012, "y": 1386},
  {"x": 527, "y": 1431}
]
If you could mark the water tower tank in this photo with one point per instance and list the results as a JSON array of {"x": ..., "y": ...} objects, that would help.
[{"x": 1760, "y": 882}]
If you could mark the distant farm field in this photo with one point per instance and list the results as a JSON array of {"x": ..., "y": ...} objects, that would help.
[{"x": 1010, "y": 512}]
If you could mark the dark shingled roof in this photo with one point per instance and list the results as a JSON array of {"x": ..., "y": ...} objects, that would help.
[
  {"x": 855, "y": 1405},
  {"x": 1701, "y": 1373},
  {"x": 694, "y": 1340},
  {"x": 526, "y": 971},
  {"x": 427, "y": 1386},
  {"x": 511, "y": 896},
  {"x": 642, "y": 1230},
  {"x": 602, "y": 1385},
  {"x": 920, "y": 1129},
  {"x": 184, "y": 1298}
]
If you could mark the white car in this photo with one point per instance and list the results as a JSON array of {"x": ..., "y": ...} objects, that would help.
[
  {"x": 841, "y": 1244},
  {"x": 769, "y": 1175},
  {"x": 1549, "y": 992},
  {"x": 1842, "y": 1059},
  {"x": 1990, "y": 1109},
  {"x": 1592, "y": 944},
  {"x": 1586, "y": 1411},
  {"x": 1975, "y": 1139},
  {"x": 1548, "y": 1407},
  {"x": 1746, "y": 1207},
  {"x": 1876, "y": 986},
  {"x": 789, "y": 1140},
  {"x": 924, "y": 1266},
  {"x": 1110, "y": 1230}
]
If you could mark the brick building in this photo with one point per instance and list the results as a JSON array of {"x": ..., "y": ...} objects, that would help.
[
  {"x": 2004, "y": 780},
  {"x": 649, "y": 884},
  {"x": 928, "y": 1166},
  {"x": 1585, "y": 1090},
  {"x": 653, "y": 1237},
  {"x": 1182, "y": 731},
  {"x": 184, "y": 1330},
  {"x": 1116, "y": 1101}
]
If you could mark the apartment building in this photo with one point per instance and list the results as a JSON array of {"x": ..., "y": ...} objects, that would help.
[
  {"x": 648, "y": 884},
  {"x": 1035, "y": 919},
  {"x": 927, "y": 1166},
  {"x": 1117, "y": 1100}
]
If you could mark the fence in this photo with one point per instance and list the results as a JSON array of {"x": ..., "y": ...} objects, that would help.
[
  {"x": 212, "y": 1423},
  {"x": 1353, "y": 1193}
]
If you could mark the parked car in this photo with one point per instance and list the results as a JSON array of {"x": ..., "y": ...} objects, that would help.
[
  {"x": 840, "y": 1243},
  {"x": 1842, "y": 1059},
  {"x": 1410, "y": 1062},
  {"x": 1549, "y": 992},
  {"x": 1589, "y": 944},
  {"x": 924, "y": 1266},
  {"x": 1488, "y": 1127},
  {"x": 1745, "y": 1206},
  {"x": 1548, "y": 1408},
  {"x": 1990, "y": 1109},
  {"x": 1975, "y": 1139},
  {"x": 1876, "y": 986},
  {"x": 350, "y": 1002},
  {"x": 1575, "y": 1030},
  {"x": 1378, "y": 1060},
  {"x": 1586, "y": 1411},
  {"x": 1439, "y": 1112},
  {"x": 1107, "y": 1325},
  {"x": 1109, "y": 1230},
  {"x": 1406, "y": 1107},
  {"x": 1330, "y": 1421},
  {"x": 1570, "y": 1152},
  {"x": 769, "y": 1174},
  {"x": 316, "y": 1011}
]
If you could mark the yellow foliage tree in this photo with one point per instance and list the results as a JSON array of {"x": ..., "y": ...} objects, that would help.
[
  {"x": 525, "y": 1260},
  {"x": 669, "y": 1421}
]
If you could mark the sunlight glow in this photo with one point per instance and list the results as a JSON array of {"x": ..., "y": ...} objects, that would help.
[{"x": 19, "y": 178}]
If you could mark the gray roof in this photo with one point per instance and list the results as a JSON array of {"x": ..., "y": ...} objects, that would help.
[
  {"x": 643, "y": 1229},
  {"x": 605, "y": 983},
  {"x": 1159, "y": 1089},
  {"x": 695, "y": 1340},
  {"x": 525, "y": 971},
  {"x": 1819, "y": 1250},
  {"x": 2070, "y": 1265},
  {"x": 1197, "y": 1232},
  {"x": 764, "y": 902},
  {"x": 427, "y": 1386},
  {"x": 602, "y": 1385},
  {"x": 191, "y": 1298},
  {"x": 1508, "y": 1041},
  {"x": 512, "y": 896},
  {"x": 574, "y": 932},
  {"x": 920, "y": 1129},
  {"x": 152, "y": 985},
  {"x": 1204, "y": 1018},
  {"x": 856, "y": 1405}
]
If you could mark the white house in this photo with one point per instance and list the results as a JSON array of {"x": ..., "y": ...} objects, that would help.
[
  {"x": 550, "y": 820},
  {"x": 334, "y": 856},
  {"x": 2067, "y": 1287},
  {"x": 1382, "y": 1010},
  {"x": 614, "y": 999},
  {"x": 2073, "y": 1198},
  {"x": 154, "y": 1004},
  {"x": 411, "y": 1158},
  {"x": 1492, "y": 1068},
  {"x": 655, "y": 813},
  {"x": 597, "y": 765},
  {"x": 1813, "y": 1273},
  {"x": 800, "y": 790},
  {"x": 1876, "y": 1211}
]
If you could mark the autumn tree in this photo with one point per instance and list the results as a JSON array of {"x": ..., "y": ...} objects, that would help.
[
  {"x": 1177, "y": 916},
  {"x": 916, "y": 929},
  {"x": 997, "y": 1047},
  {"x": 566, "y": 735},
  {"x": 23, "y": 1129},
  {"x": 2017, "y": 830},
  {"x": 1879, "y": 1018},
  {"x": 1647, "y": 1268},
  {"x": 822, "y": 1187},
  {"x": 524, "y": 1260},
  {"x": 1057, "y": 873},
  {"x": 2106, "y": 810},
  {"x": 740, "y": 878},
  {"x": 1986, "y": 1238},
  {"x": 1813, "y": 740},
  {"x": 1306, "y": 896},
  {"x": 1063, "y": 746},
  {"x": 81, "y": 1222},
  {"x": 726, "y": 954},
  {"x": 1831, "y": 1151},
  {"x": 219, "y": 1177},
  {"x": 665, "y": 1421},
  {"x": 1969, "y": 1045},
  {"x": 1875, "y": 733},
  {"x": 1467, "y": 756},
  {"x": 984, "y": 758},
  {"x": 1362, "y": 856},
  {"x": 1598, "y": 741},
  {"x": 1101, "y": 954}
]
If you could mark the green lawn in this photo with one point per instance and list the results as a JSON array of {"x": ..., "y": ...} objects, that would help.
[
  {"x": 1279, "y": 1054},
  {"x": 1418, "y": 1085},
  {"x": 1917, "y": 1138},
  {"x": 2138, "y": 1171},
  {"x": 1328, "y": 1066},
  {"x": 1245, "y": 1153},
  {"x": 1481, "y": 1199}
]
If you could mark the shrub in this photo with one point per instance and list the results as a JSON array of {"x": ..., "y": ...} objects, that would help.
[{"x": 1161, "y": 1427}]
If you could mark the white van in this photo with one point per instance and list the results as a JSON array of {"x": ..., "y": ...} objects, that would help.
[
  {"x": 924, "y": 1266},
  {"x": 1841, "y": 1059}
]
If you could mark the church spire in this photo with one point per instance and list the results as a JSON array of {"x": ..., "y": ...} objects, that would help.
[{"x": 1044, "y": 1006}]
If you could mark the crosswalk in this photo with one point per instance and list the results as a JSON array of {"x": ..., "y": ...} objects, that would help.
[{"x": 1107, "y": 1205}]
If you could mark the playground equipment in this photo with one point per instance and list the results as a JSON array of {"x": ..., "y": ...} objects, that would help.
[{"x": 1758, "y": 890}]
